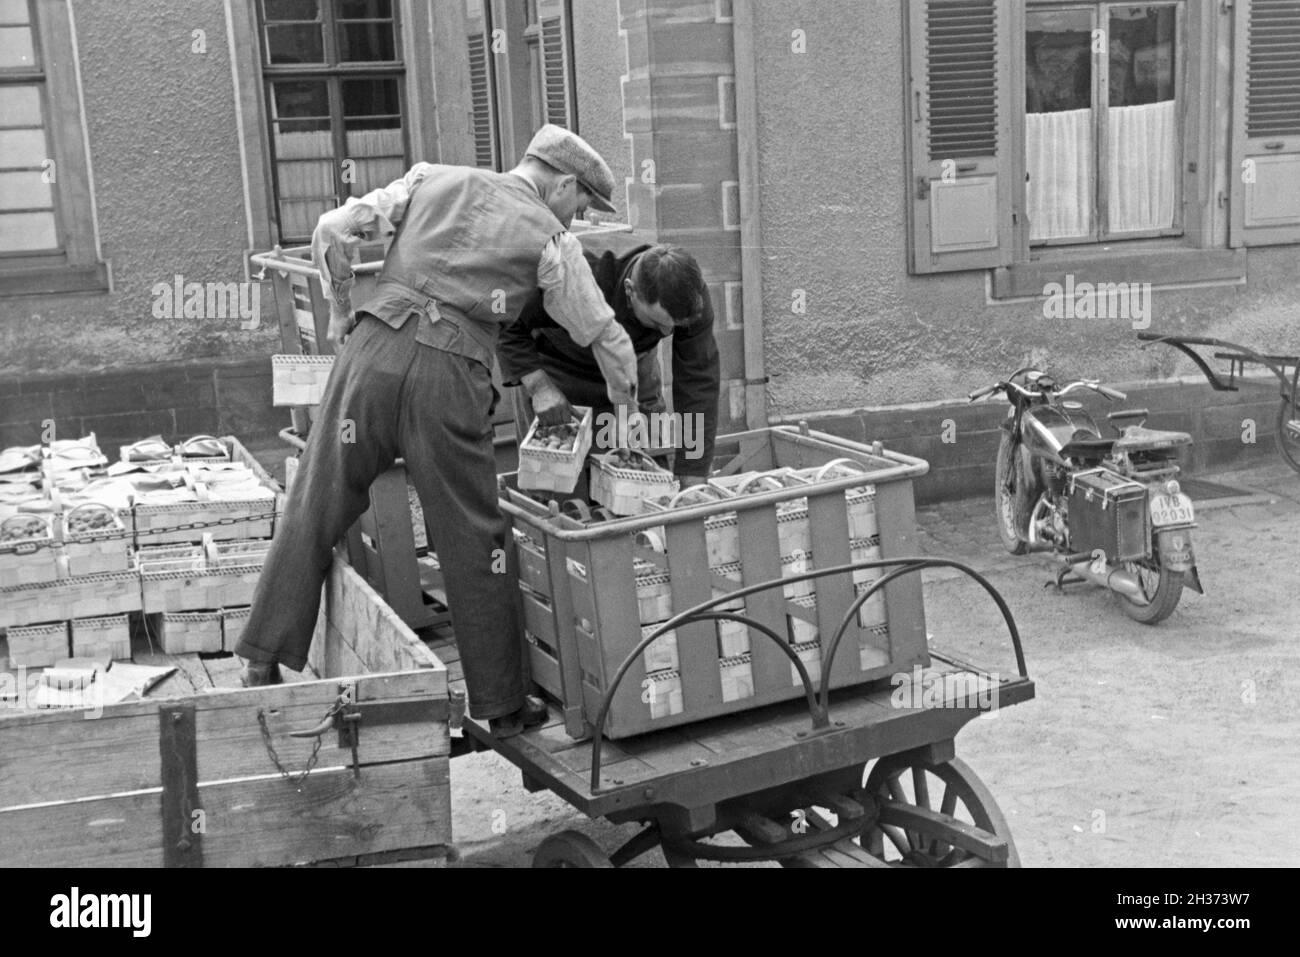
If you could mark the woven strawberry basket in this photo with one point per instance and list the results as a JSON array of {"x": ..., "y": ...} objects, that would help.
[
  {"x": 552, "y": 463},
  {"x": 622, "y": 480},
  {"x": 27, "y": 555}
]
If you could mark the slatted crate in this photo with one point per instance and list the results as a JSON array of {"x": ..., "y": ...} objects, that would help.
[
  {"x": 108, "y": 636},
  {"x": 115, "y": 791},
  {"x": 87, "y": 596},
  {"x": 592, "y": 616},
  {"x": 244, "y": 518},
  {"x": 37, "y": 646}
]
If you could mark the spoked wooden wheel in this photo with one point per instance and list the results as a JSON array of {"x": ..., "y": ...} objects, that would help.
[
  {"x": 936, "y": 815},
  {"x": 570, "y": 849}
]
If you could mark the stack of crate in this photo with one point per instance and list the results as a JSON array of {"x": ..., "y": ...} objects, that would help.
[{"x": 71, "y": 587}]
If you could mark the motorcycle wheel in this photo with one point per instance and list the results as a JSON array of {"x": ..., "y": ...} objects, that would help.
[
  {"x": 1162, "y": 588},
  {"x": 1013, "y": 499}
]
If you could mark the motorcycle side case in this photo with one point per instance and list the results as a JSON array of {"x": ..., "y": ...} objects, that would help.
[{"x": 1109, "y": 512}]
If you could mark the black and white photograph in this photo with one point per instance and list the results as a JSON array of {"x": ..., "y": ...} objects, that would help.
[{"x": 499, "y": 434}]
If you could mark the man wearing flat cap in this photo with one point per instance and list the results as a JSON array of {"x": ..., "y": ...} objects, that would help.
[{"x": 467, "y": 249}]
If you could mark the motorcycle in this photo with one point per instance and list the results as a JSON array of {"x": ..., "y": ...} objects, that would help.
[{"x": 1110, "y": 510}]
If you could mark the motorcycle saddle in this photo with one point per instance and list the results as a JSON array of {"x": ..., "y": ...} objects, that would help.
[
  {"x": 1087, "y": 445},
  {"x": 1137, "y": 438}
]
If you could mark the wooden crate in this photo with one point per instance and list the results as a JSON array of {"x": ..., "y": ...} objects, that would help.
[
  {"x": 37, "y": 646},
  {"x": 299, "y": 379},
  {"x": 223, "y": 520},
  {"x": 585, "y": 606},
  {"x": 115, "y": 791},
  {"x": 186, "y": 632},
  {"x": 30, "y": 560},
  {"x": 87, "y": 596},
  {"x": 109, "y": 636}
]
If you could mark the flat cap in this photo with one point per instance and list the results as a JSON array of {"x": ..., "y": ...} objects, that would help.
[{"x": 570, "y": 153}]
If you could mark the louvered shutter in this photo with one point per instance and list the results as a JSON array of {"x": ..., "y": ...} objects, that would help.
[
  {"x": 480, "y": 92},
  {"x": 966, "y": 184},
  {"x": 557, "y": 92},
  {"x": 1266, "y": 123}
]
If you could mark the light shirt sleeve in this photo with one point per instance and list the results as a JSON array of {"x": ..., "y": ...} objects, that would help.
[
  {"x": 368, "y": 218},
  {"x": 572, "y": 298}
]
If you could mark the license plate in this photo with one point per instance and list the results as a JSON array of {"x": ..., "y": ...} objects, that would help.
[{"x": 1171, "y": 510}]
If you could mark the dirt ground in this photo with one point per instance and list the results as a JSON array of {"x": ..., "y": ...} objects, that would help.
[{"x": 1173, "y": 745}]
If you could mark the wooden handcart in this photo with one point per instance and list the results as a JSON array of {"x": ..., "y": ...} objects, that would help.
[{"x": 794, "y": 781}]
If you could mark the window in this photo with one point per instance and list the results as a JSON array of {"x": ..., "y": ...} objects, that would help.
[
  {"x": 521, "y": 74},
  {"x": 47, "y": 240},
  {"x": 1083, "y": 123},
  {"x": 335, "y": 104},
  {"x": 1103, "y": 121}
]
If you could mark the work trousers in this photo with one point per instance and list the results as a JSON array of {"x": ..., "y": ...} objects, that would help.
[{"x": 388, "y": 397}]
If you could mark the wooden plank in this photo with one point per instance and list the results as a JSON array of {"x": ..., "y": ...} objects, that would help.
[
  {"x": 904, "y": 605},
  {"x": 122, "y": 831},
  {"x": 828, "y": 526},
  {"x": 697, "y": 644},
  {"x": 226, "y": 671},
  {"x": 761, "y": 562},
  {"x": 332, "y": 814},
  {"x": 363, "y": 621},
  {"x": 59, "y": 757}
]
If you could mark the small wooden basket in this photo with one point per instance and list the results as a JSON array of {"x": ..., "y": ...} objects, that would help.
[
  {"x": 622, "y": 490},
  {"x": 108, "y": 636},
  {"x": 31, "y": 559},
  {"x": 181, "y": 633},
  {"x": 37, "y": 646},
  {"x": 551, "y": 470},
  {"x": 97, "y": 550}
]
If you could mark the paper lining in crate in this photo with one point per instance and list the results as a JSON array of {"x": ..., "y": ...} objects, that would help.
[
  {"x": 622, "y": 488},
  {"x": 27, "y": 555},
  {"x": 108, "y": 635},
  {"x": 187, "y": 632},
  {"x": 37, "y": 645},
  {"x": 95, "y": 539},
  {"x": 299, "y": 379},
  {"x": 233, "y": 621},
  {"x": 87, "y": 596},
  {"x": 545, "y": 469}
]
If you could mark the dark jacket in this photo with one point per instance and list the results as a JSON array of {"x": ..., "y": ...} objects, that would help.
[{"x": 536, "y": 341}]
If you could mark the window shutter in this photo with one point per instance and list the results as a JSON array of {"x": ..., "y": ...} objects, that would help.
[
  {"x": 1266, "y": 123},
  {"x": 557, "y": 93},
  {"x": 964, "y": 113},
  {"x": 480, "y": 91}
]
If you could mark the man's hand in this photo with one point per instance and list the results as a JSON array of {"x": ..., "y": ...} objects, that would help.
[
  {"x": 549, "y": 404},
  {"x": 342, "y": 319}
]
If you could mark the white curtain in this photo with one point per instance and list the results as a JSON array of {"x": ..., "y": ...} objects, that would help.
[
  {"x": 306, "y": 171},
  {"x": 1143, "y": 166},
  {"x": 1059, "y": 193}
]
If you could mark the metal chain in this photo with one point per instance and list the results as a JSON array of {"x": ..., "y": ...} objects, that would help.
[{"x": 335, "y": 709}]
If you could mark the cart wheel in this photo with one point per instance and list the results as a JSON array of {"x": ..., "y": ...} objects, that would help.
[
  {"x": 570, "y": 849},
  {"x": 962, "y": 800}
]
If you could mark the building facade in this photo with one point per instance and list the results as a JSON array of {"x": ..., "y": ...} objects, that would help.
[{"x": 894, "y": 201}]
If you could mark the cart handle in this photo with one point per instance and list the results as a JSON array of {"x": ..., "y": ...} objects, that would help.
[
  {"x": 819, "y": 709},
  {"x": 1184, "y": 343}
]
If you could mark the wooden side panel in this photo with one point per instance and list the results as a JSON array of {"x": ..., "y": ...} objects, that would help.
[
  {"x": 761, "y": 562},
  {"x": 697, "y": 644},
  {"x": 896, "y": 519},
  {"x": 379, "y": 638},
  {"x": 828, "y": 523}
]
